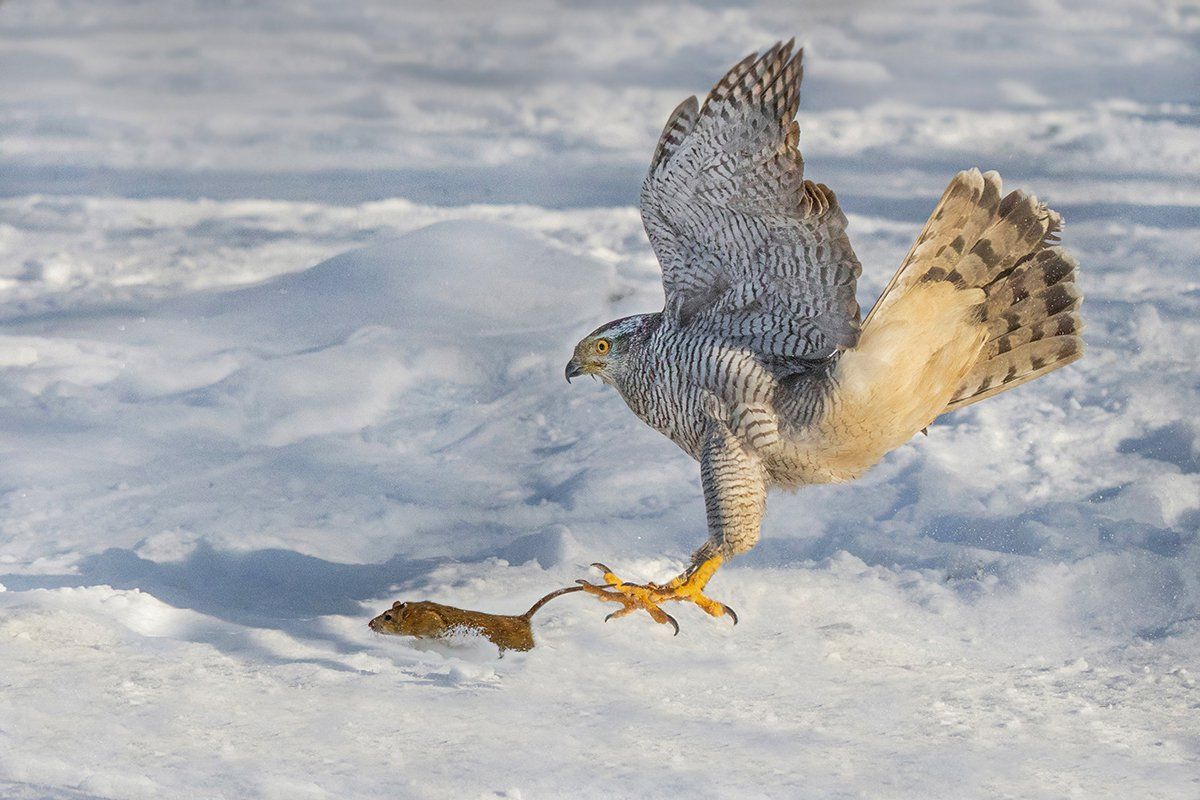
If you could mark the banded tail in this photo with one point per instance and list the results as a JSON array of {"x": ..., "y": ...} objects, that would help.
[
  {"x": 975, "y": 239},
  {"x": 983, "y": 303}
]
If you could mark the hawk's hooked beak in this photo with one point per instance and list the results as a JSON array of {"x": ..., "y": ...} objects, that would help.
[{"x": 573, "y": 370}]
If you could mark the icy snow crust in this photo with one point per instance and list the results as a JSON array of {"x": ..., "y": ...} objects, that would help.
[{"x": 287, "y": 291}]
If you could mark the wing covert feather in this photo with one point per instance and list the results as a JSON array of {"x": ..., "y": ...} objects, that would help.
[{"x": 750, "y": 251}]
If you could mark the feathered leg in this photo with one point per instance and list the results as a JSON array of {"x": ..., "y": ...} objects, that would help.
[{"x": 735, "y": 500}]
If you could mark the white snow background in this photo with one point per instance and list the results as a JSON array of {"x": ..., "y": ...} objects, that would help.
[{"x": 287, "y": 289}]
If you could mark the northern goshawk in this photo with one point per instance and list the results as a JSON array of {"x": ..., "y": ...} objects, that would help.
[{"x": 758, "y": 366}]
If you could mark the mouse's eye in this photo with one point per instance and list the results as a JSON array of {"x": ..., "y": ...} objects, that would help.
[
  {"x": 387, "y": 617},
  {"x": 602, "y": 346}
]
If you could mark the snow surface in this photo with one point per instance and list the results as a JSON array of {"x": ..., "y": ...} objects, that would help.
[{"x": 287, "y": 289}]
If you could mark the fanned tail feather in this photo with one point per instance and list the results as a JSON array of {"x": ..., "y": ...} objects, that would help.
[
  {"x": 1031, "y": 314},
  {"x": 1005, "y": 246},
  {"x": 983, "y": 303}
]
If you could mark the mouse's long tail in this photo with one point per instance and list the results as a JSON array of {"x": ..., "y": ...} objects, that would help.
[{"x": 556, "y": 593}]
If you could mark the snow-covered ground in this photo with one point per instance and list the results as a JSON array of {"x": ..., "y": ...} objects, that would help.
[{"x": 287, "y": 289}]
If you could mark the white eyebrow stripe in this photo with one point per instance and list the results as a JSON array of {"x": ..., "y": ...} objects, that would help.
[{"x": 622, "y": 327}]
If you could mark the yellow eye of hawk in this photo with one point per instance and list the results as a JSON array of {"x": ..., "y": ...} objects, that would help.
[{"x": 602, "y": 346}]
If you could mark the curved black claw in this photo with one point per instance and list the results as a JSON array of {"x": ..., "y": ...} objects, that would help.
[
  {"x": 629, "y": 604},
  {"x": 732, "y": 614}
]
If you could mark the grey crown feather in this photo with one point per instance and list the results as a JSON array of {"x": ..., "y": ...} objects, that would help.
[{"x": 751, "y": 253}]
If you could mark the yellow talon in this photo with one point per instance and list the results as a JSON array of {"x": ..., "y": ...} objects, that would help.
[{"x": 648, "y": 597}]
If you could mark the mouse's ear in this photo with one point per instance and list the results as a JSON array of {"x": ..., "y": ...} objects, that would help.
[{"x": 397, "y": 604}]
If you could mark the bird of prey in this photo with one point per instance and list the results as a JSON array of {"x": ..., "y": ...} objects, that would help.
[{"x": 758, "y": 366}]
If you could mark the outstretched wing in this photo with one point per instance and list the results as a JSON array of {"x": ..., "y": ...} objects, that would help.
[{"x": 750, "y": 251}]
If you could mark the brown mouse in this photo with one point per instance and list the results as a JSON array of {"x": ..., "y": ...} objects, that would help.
[{"x": 428, "y": 620}]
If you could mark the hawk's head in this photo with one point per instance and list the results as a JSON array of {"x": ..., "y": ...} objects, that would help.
[{"x": 602, "y": 353}]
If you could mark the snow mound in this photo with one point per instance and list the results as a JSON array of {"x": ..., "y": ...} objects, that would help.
[
  {"x": 549, "y": 548},
  {"x": 451, "y": 280}
]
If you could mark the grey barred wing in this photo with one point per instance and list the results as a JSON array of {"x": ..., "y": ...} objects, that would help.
[{"x": 750, "y": 251}]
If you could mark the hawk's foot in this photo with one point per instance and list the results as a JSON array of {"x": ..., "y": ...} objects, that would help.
[{"x": 649, "y": 597}]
